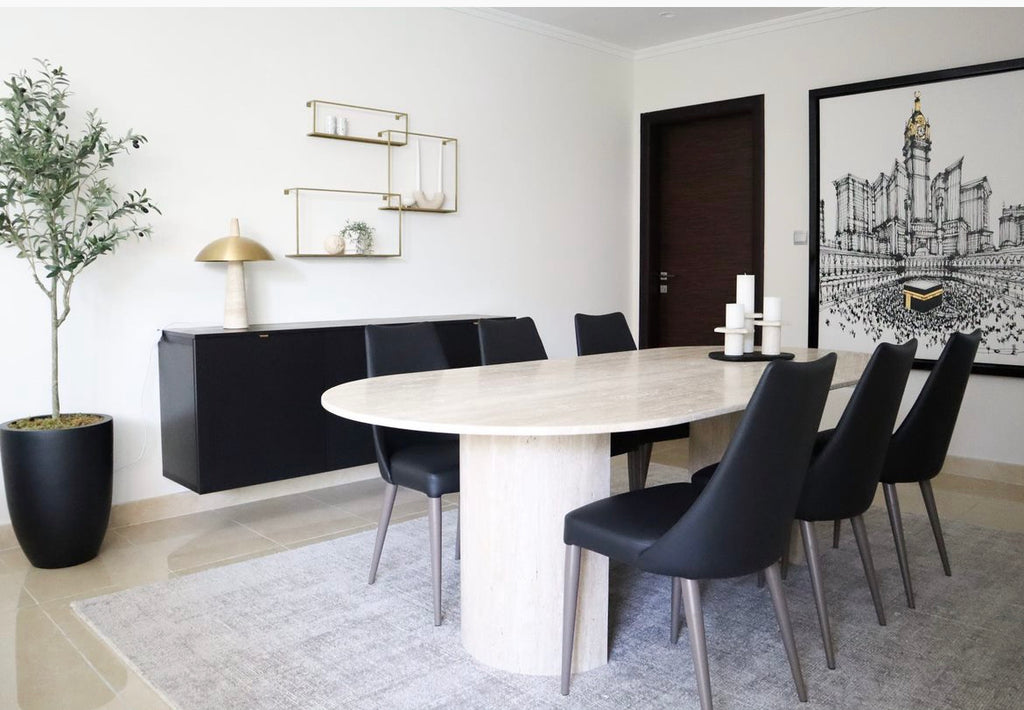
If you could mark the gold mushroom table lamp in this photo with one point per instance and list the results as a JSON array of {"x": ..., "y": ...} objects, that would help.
[{"x": 235, "y": 250}]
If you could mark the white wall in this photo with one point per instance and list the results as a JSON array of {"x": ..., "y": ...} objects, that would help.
[
  {"x": 784, "y": 65},
  {"x": 548, "y": 137},
  {"x": 543, "y": 227}
]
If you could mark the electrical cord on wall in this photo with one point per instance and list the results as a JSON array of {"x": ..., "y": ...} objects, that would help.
[{"x": 142, "y": 395}]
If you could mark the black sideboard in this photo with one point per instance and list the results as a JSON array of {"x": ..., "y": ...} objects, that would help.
[{"x": 240, "y": 407}]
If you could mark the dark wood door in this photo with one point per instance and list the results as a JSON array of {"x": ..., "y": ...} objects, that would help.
[{"x": 702, "y": 217}]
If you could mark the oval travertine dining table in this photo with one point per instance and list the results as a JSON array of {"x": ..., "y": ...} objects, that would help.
[{"x": 534, "y": 444}]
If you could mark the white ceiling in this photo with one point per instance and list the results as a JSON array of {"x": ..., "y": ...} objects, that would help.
[{"x": 636, "y": 28}]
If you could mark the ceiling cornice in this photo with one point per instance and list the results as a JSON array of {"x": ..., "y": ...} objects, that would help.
[
  {"x": 615, "y": 50},
  {"x": 542, "y": 28},
  {"x": 782, "y": 23}
]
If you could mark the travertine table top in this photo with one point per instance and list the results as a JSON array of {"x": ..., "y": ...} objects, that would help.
[{"x": 581, "y": 395}]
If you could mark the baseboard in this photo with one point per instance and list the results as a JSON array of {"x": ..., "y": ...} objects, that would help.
[
  {"x": 986, "y": 470},
  {"x": 7, "y": 538},
  {"x": 177, "y": 504}
]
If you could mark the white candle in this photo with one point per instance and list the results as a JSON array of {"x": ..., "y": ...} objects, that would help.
[
  {"x": 734, "y": 344},
  {"x": 418, "y": 186},
  {"x": 772, "y": 308},
  {"x": 734, "y": 315},
  {"x": 771, "y": 340},
  {"x": 745, "y": 296},
  {"x": 440, "y": 166},
  {"x": 332, "y": 125},
  {"x": 745, "y": 291}
]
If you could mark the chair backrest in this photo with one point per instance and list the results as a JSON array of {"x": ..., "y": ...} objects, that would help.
[
  {"x": 918, "y": 448},
  {"x": 509, "y": 340},
  {"x": 395, "y": 350},
  {"x": 741, "y": 520},
  {"x": 843, "y": 475},
  {"x": 608, "y": 333}
]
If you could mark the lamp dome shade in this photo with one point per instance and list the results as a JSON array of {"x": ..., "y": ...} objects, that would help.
[{"x": 234, "y": 248}]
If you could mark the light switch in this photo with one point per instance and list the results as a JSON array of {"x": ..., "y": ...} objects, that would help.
[{"x": 799, "y": 236}]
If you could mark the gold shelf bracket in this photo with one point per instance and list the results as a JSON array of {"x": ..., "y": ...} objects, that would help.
[
  {"x": 385, "y": 196},
  {"x": 315, "y": 132},
  {"x": 445, "y": 140}
]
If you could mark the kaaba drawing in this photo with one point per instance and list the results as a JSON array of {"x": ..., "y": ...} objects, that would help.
[{"x": 912, "y": 254}]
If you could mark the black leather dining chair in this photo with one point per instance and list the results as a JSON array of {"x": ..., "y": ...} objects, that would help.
[
  {"x": 735, "y": 525},
  {"x": 609, "y": 333},
  {"x": 845, "y": 466},
  {"x": 918, "y": 447},
  {"x": 847, "y": 461},
  {"x": 422, "y": 461},
  {"x": 606, "y": 333},
  {"x": 504, "y": 340}
]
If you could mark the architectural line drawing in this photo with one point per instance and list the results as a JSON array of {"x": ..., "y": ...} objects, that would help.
[{"x": 915, "y": 255}]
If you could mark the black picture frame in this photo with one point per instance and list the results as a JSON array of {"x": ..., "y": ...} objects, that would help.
[{"x": 901, "y": 244}]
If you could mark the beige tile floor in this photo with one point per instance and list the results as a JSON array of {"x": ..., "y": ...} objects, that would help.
[{"x": 50, "y": 660}]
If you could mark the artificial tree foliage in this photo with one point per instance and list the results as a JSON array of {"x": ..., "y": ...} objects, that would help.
[{"x": 58, "y": 210}]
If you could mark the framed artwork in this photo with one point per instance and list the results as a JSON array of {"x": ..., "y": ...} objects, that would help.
[{"x": 917, "y": 213}]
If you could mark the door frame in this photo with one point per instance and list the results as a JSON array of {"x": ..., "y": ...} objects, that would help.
[{"x": 649, "y": 246}]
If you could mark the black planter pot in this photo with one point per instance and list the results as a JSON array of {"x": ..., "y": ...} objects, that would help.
[{"x": 58, "y": 486}]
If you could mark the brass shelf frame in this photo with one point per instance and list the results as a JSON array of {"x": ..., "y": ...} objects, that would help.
[
  {"x": 416, "y": 209},
  {"x": 299, "y": 254},
  {"x": 398, "y": 115},
  {"x": 445, "y": 140}
]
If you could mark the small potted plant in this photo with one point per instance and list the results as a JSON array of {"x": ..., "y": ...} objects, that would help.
[
  {"x": 59, "y": 213},
  {"x": 359, "y": 234}
]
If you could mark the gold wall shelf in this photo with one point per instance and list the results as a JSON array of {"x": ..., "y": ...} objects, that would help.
[
  {"x": 346, "y": 114},
  {"x": 299, "y": 250},
  {"x": 416, "y": 209},
  {"x": 397, "y": 139}
]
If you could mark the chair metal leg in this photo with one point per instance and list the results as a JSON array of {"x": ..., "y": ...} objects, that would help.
[
  {"x": 434, "y": 520},
  {"x": 698, "y": 643},
  {"x": 390, "y": 491},
  {"x": 818, "y": 586},
  {"x": 638, "y": 461},
  {"x": 782, "y": 614},
  {"x": 784, "y": 566},
  {"x": 933, "y": 516},
  {"x": 861, "y": 534},
  {"x": 458, "y": 534},
  {"x": 569, "y": 602},
  {"x": 677, "y": 592},
  {"x": 892, "y": 502},
  {"x": 835, "y": 533}
]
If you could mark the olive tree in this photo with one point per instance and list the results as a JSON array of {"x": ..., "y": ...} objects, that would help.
[{"x": 58, "y": 211}]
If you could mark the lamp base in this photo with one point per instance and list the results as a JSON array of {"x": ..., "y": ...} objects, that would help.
[{"x": 236, "y": 316}]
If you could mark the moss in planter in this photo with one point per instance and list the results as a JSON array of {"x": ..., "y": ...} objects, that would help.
[{"x": 65, "y": 421}]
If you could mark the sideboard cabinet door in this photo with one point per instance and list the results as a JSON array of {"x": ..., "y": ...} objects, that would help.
[
  {"x": 349, "y": 443},
  {"x": 258, "y": 404}
]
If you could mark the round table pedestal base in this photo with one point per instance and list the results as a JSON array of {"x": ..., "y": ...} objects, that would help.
[{"x": 515, "y": 492}]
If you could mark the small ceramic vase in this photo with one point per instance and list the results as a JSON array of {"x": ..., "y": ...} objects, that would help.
[{"x": 334, "y": 244}]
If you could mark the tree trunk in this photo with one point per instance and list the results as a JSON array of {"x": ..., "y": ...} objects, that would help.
[{"x": 54, "y": 366}]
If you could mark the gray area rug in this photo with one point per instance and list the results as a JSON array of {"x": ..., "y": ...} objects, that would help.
[{"x": 302, "y": 629}]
